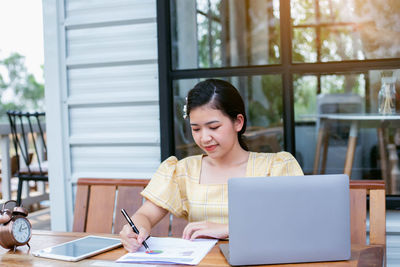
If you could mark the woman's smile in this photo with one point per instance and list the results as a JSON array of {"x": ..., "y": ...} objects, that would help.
[{"x": 210, "y": 148}]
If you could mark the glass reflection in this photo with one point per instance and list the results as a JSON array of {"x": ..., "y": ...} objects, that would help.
[
  {"x": 340, "y": 43},
  {"x": 355, "y": 95},
  {"x": 345, "y": 30},
  {"x": 304, "y": 48},
  {"x": 221, "y": 33},
  {"x": 329, "y": 94}
]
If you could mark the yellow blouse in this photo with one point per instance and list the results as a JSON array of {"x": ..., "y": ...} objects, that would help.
[{"x": 175, "y": 185}]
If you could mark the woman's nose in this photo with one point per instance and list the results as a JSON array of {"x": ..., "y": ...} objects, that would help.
[{"x": 205, "y": 137}]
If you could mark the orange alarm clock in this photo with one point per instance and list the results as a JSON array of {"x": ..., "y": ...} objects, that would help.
[{"x": 15, "y": 228}]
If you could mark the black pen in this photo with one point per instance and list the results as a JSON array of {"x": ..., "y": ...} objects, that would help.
[{"x": 134, "y": 227}]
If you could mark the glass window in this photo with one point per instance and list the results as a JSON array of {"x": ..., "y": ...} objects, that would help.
[
  {"x": 221, "y": 33},
  {"x": 337, "y": 30},
  {"x": 343, "y": 61},
  {"x": 264, "y": 108},
  {"x": 303, "y": 12},
  {"x": 338, "y": 94},
  {"x": 304, "y": 46},
  {"x": 355, "y": 95},
  {"x": 339, "y": 43}
]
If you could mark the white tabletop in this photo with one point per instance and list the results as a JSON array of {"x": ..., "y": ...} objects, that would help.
[
  {"x": 352, "y": 116},
  {"x": 359, "y": 116}
]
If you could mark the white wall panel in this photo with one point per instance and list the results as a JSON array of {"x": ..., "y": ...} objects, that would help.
[
  {"x": 113, "y": 43},
  {"x": 115, "y": 124},
  {"x": 56, "y": 124},
  {"x": 114, "y": 161},
  {"x": 103, "y": 57},
  {"x": 132, "y": 82},
  {"x": 83, "y": 12}
]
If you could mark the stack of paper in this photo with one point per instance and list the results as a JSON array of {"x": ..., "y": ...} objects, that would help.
[{"x": 171, "y": 250}]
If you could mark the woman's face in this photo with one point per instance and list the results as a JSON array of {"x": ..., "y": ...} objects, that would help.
[{"x": 213, "y": 131}]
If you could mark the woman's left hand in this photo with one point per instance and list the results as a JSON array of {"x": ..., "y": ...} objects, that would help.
[{"x": 205, "y": 229}]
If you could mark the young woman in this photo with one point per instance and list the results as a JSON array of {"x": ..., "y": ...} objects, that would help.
[{"x": 196, "y": 187}]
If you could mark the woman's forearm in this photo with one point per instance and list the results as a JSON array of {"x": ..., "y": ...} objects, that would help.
[{"x": 141, "y": 221}]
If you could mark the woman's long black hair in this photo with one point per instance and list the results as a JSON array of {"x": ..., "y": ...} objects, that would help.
[{"x": 220, "y": 95}]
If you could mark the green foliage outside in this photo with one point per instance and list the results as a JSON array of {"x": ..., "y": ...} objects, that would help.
[
  {"x": 27, "y": 93},
  {"x": 304, "y": 95},
  {"x": 209, "y": 40},
  {"x": 269, "y": 114}
]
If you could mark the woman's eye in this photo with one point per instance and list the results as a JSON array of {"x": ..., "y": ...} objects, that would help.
[
  {"x": 214, "y": 128},
  {"x": 195, "y": 130}
]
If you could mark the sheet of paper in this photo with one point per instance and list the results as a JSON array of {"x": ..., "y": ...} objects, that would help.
[{"x": 172, "y": 250}]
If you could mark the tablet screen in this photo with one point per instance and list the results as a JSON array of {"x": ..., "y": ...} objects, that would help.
[{"x": 79, "y": 248}]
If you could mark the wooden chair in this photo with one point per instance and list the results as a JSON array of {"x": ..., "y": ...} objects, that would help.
[
  {"x": 98, "y": 203},
  {"x": 96, "y": 199},
  {"x": 359, "y": 190}
]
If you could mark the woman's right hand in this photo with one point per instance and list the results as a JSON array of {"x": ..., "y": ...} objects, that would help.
[
  {"x": 130, "y": 240},
  {"x": 148, "y": 215}
]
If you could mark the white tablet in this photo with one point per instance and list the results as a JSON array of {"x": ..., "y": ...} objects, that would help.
[{"x": 79, "y": 249}]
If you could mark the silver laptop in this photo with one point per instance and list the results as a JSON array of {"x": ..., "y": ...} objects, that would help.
[{"x": 288, "y": 219}]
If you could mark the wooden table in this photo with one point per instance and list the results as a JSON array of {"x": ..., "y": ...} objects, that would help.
[{"x": 361, "y": 255}]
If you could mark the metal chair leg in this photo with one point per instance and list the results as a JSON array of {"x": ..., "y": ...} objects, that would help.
[{"x": 19, "y": 192}]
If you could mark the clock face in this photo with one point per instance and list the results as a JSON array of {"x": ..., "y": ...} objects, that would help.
[{"x": 21, "y": 230}]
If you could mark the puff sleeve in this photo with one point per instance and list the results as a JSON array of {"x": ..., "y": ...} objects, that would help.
[
  {"x": 163, "y": 188},
  {"x": 284, "y": 164}
]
